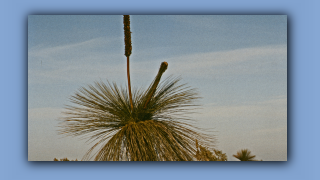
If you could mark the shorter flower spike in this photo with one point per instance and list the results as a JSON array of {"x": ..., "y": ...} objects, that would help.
[{"x": 163, "y": 68}]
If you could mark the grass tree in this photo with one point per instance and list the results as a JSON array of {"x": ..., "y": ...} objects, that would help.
[
  {"x": 147, "y": 125},
  {"x": 244, "y": 155},
  {"x": 204, "y": 154}
]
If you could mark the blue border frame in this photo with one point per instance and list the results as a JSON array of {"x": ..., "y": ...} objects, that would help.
[{"x": 303, "y": 99}]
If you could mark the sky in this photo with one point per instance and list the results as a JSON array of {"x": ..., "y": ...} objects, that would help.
[{"x": 238, "y": 64}]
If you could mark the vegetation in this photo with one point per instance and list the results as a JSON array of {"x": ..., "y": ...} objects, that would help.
[
  {"x": 244, "y": 155},
  {"x": 141, "y": 126},
  {"x": 128, "y": 50},
  {"x": 146, "y": 125},
  {"x": 64, "y": 159},
  {"x": 203, "y": 154},
  {"x": 154, "y": 133}
]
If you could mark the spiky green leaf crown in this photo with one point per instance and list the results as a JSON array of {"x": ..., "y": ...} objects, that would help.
[{"x": 157, "y": 133}]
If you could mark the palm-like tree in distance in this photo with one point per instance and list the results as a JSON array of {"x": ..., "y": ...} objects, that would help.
[{"x": 244, "y": 155}]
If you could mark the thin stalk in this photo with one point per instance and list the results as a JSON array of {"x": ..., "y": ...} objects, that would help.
[{"x": 129, "y": 83}]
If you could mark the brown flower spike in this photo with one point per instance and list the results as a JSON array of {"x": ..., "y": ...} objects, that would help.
[
  {"x": 127, "y": 35},
  {"x": 128, "y": 50}
]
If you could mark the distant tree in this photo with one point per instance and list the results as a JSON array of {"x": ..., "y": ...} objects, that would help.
[
  {"x": 64, "y": 159},
  {"x": 203, "y": 154},
  {"x": 245, "y": 155}
]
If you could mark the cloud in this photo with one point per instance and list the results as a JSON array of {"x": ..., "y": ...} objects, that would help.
[
  {"x": 248, "y": 61},
  {"x": 260, "y": 126},
  {"x": 271, "y": 110},
  {"x": 41, "y": 51},
  {"x": 77, "y": 62},
  {"x": 229, "y": 62},
  {"x": 36, "y": 114},
  {"x": 271, "y": 130},
  {"x": 82, "y": 61}
]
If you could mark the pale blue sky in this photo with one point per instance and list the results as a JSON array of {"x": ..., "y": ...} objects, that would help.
[{"x": 237, "y": 63}]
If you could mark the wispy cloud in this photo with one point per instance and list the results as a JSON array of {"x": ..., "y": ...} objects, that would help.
[
  {"x": 42, "y": 114},
  {"x": 41, "y": 51},
  {"x": 229, "y": 62},
  {"x": 74, "y": 62},
  {"x": 77, "y": 62},
  {"x": 271, "y": 130},
  {"x": 257, "y": 60},
  {"x": 273, "y": 108}
]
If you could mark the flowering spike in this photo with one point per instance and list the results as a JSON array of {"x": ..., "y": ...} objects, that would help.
[{"x": 127, "y": 35}]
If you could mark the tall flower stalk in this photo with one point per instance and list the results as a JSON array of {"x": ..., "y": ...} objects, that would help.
[{"x": 128, "y": 50}]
